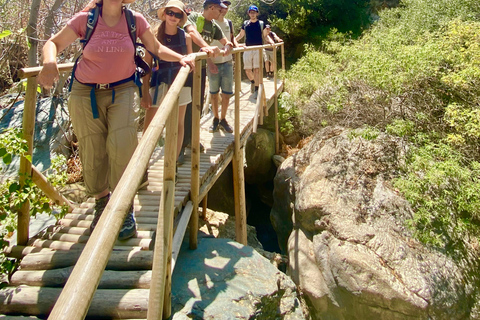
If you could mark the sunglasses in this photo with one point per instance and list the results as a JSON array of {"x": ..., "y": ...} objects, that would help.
[{"x": 178, "y": 15}]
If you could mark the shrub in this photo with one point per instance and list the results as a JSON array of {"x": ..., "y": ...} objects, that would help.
[
  {"x": 444, "y": 193},
  {"x": 14, "y": 196}
]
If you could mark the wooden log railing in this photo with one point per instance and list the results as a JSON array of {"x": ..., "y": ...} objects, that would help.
[{"x": 75, "y": 299}]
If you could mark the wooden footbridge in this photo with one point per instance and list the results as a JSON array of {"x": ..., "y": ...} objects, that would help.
[{"x": 68, "y": 273}]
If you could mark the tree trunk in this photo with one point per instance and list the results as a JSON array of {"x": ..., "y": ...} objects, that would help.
[
  {"x": 49, "y": 20},
  {"x": 32, "y": 33}
]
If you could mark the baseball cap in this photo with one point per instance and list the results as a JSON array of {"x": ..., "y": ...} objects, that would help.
[
  {"x": 268, "y": 26},
  {"x": 217, "y": 2},
  {"x": 252, "y": 8},
  {"x": 226, "y": 2}
]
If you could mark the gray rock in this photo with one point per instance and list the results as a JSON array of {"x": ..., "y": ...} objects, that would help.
[
  {"x": 220, "y": 196},
  {"x": 52, "y": 125},
  {"x": 259, "y": 150},
  {"x": 349, "y": 249},
  {"x": 223, "y": 279}
]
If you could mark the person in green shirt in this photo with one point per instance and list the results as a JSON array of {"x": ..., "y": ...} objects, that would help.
[{"x": 203, "y": 31}]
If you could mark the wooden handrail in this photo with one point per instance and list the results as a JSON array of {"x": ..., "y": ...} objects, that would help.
[{"x": 75, "y": 299}]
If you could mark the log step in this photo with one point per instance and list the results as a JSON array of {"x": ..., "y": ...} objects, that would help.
[
  {"x": 119, "y": 260},
  {"x": 106, "y": 303},
  {"x": 139, "y": 279}
]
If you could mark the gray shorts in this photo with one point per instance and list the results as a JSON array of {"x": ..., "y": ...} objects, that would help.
[{"x": 223, "y": 79}]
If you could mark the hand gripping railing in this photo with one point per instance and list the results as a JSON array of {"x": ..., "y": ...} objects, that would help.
[{"x": 75, "y": 299}]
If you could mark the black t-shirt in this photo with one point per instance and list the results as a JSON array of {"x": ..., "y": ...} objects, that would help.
[{"x": 253, "y": 33}]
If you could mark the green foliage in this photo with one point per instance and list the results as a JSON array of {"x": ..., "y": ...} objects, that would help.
[
  {"x": 415, "y": 74},
  {"x": 5, "y": 33},
  {"x": 444, "y": 194},
  {"x": 287, "y": 113},
  {"x": 12, "y": 143},
  {"x": 13, "y": 195},
  {"x": 401, "y": 128}
]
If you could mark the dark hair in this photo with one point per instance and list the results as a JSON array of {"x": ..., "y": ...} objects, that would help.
[{"x": 160, "y": 32}]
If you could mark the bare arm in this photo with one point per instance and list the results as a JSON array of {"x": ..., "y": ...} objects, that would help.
[
  {"x": 240, "y": 35},
  {"x": 49, "y": 73},
  {"x": 267, "y": 37},
  {"x": 152, "y": 45},
  {"x": 228, "y": 46},
  {"x": 199, "y": 41}
]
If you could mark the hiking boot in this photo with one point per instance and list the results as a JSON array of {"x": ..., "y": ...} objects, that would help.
[
  {"x": 252, "y": 87},
  {"x": 254, "y": 95},
  {"x": 225, "y": 126},
  {"x": 100, "y": 205},
  {"x": 144, "y": 182},
  {"x": 129, "y": 228},
  {"x": 214, "y": 126},
  {"x": 181, "y": 157}
]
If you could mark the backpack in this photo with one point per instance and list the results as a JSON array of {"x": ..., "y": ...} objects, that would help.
[
  {"x": 247, "y": 22},
  {"x": 142, "y": 68}
]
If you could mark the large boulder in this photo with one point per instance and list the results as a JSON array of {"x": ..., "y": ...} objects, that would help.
[
  {"x": 223, "y": 279},
  {"x": 259, "y": 151},
  {"x": 349, "y": 248}
]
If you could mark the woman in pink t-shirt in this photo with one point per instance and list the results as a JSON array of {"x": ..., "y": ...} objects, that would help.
[{"x": 108, "y": 138}]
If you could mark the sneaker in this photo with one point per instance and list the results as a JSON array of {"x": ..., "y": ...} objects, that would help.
[
  {"x": 252, "y": 87},
  {"x": 144, "y": 182},
  {"x": 129, "y": 228},
  {"x": 181, "y": 157},
  {"x": 100, "y": 205},
  {"x": 225, "y": 126},
  {"x": 214, "y": 126}
]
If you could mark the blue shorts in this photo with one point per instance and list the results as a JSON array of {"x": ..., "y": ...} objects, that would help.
[{"x": 223, "y": 79}]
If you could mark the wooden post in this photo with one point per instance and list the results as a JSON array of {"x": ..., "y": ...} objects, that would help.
[
  {"x": 283, "y": 57},
  {"x": 275, "y": 97},
  {"x": 78, "y": 292},
  {"x": 169, "y": 163},
  {"x": 258, "y": 108},
  {"x": 25, "y": 164},
  {"x": 204, "y": 206},
  {"x": 195, "y": 143},
  {"x": 237, "y": 163},
  {"x": 160, "y": 288}
]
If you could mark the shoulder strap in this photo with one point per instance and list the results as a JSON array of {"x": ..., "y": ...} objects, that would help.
[
  {"x": 131, "y": 23},
  {"x": 183, "y": 41},
  {"x": 200, "y": 23},
  {"x": 92, "y": 19},
  {"x": 231, "y": 29}
]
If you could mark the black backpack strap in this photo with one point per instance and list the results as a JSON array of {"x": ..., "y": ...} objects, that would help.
[
  {"x": 183, "y": 41},
  {"x": 230, "y": 24},
  {"x": 132, "y": 26},
  {"x": 92, "y": 19}
]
